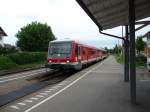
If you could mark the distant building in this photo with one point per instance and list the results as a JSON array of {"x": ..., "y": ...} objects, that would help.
[{"x": 2, "y": 34}]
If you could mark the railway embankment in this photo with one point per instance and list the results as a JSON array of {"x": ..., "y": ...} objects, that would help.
[
  {"x": 18, "y": 62},
  {"x": 21, "y": 69}
]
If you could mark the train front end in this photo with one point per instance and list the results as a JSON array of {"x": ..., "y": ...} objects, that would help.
[{"x": 61, "y": 55}]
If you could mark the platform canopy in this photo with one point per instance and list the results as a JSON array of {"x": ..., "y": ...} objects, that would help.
[{"x": 112, "y": 13}]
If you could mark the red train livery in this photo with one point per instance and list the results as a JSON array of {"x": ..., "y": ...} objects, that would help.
[{"x": 71, "y": 54}]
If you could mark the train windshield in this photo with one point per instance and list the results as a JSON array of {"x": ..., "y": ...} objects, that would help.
[{"x": 60, "y": 50}]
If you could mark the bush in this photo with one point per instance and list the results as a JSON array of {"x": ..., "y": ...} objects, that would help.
[
  {"x": 28, "y": 57},
  {"x": 119, "y": 58},
  {"x": 141, "y": 60},
  {"x": 6, "y": 63},
  {"x": 7, "y": 49}
]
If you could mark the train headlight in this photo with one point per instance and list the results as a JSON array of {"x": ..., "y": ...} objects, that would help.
[
  {"x": 50, "y": 61},
  {"x": 67, "y": 61}
]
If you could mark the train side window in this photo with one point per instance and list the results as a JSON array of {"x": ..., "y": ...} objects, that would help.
[
  {"x": 83, "y": 51},
  {"x": 79, "y": 49}
]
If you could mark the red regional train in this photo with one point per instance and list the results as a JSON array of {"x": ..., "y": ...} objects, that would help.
[{"x": 69, "y": 54}]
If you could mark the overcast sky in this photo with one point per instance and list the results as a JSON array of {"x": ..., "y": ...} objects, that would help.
[{"x": 65, "y": 17}]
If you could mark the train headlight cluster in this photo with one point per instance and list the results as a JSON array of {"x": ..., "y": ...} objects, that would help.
[
  {"x": 67, "y": 61},
  {"x": 50, "y": 61}
]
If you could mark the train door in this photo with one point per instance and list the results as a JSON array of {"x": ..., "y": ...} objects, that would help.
[{"x": 78, "y": 56}]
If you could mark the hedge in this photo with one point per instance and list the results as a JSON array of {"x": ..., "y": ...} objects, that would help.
[
  {"x": 10, "y": 61},
  {"x": 6, "y": 63},
  {"x": 141, "y": 60},
  {"x": 28, "y": 57}
]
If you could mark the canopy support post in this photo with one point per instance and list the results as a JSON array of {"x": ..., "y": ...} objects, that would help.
[
  {"x": 126, "y": 57},
  {"x": 132, "y": 51}
]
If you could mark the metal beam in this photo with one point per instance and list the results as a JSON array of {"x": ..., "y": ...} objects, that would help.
[
  {"x": 144, "y": 25},
  {"x": 139, "y": 28},
  {"x": 132, "y": 51},
  {"x": 142, "y": 22},
  {"x": 111, "y": 35}
]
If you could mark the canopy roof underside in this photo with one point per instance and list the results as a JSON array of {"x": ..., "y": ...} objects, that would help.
[{"x": 112, "y": 13}]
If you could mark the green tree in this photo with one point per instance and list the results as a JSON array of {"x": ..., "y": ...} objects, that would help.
[
  {"x": 140, "y": 44},
  {"x": 8, "y": 49},
  {"x": 116, "y": 49},
  {"x": 34, "y": 37},
  {"x": 106, "y": 48}
]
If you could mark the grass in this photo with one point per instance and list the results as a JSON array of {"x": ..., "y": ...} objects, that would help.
[
  {"x": 22, "y": 67},
  {"x": 119, "y": 58},
  {"x": 33, "y": 65},
  {"x": 139, "y": 60}
]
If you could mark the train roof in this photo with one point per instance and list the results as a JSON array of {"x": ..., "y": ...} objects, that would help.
[
  {"x": 69, "y": 40},
  {"x": 64, "y": 40}
]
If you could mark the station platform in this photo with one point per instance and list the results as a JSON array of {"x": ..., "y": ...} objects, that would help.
[{"x": 100, "y": 88}]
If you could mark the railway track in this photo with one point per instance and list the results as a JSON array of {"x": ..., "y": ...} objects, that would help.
[
  {"x": 9, "y": 72},
  {"x": 23, "y": 74},
  {"x": 34, "y": 81},
  {"x": 39, "y": 81}
]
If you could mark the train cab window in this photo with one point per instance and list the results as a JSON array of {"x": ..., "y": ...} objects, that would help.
[{"x": 60, "y": 50}]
